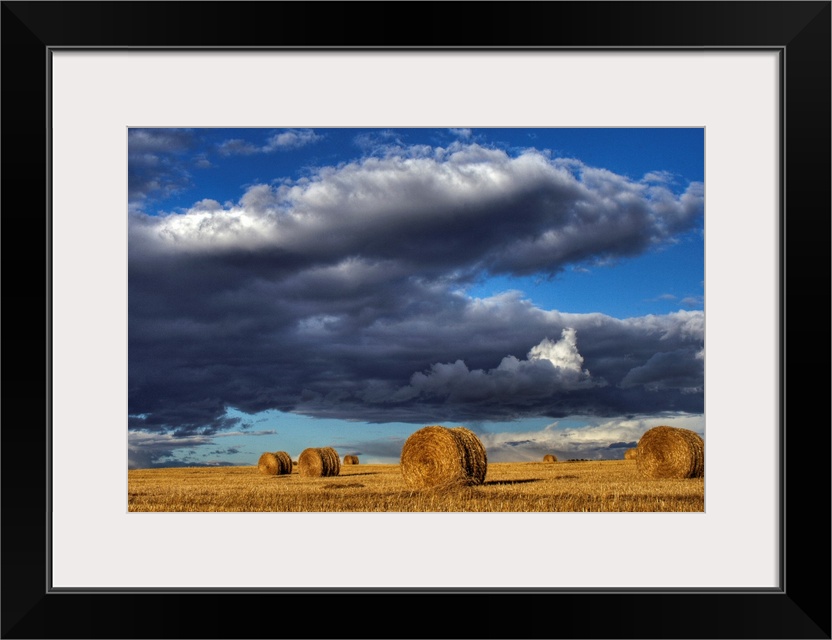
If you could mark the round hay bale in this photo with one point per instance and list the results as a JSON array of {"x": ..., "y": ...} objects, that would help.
[
  {"x": 436, "y": 456},
  {"x": 550, "y": 458},
  {"x": 477, "y": 459},
  {"x": 284, "y": 462},
  {"x": 630, "y": 454},
  {"x": 670, "y": 452},
  {"x": 350, "y": 459},
  {"x": 318, "y": 462},
  {"x": 268, "y": 464}
]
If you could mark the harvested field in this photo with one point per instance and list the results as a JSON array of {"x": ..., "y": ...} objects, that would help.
[{"x": 592, "y": 486}]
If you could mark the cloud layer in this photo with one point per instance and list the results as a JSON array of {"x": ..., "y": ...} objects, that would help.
[
  {"x": 340, "y": 295},
  {"x": 291, "y": 139}
]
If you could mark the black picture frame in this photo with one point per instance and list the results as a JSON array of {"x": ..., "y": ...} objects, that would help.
[{"x": 800, "y": 608}]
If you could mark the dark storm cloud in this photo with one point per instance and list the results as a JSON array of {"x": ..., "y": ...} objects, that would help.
[
  {"x": 154, "y": 163},
  {"x": 458, "y": 391},
  {"x": 383, "y": 448},
  {"x": 450, "y": 212},
  {"x": 622, "y": 445},
  {"x": 157, "y": 449},
  {"x": 237, "y": 146},
  {"x": 223, "y": 452},
  {"x": 681, "y": 370},
  {"x": 289, "y": 139},
  {"x": 158, "y": 140},
  {"x": 148, "y": 449},
  {"x": 336, "y": 296}
]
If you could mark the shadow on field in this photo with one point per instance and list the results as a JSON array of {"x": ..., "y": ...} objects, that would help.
[
  {"x": 496, "y": 482},
  {"x": 362, "y": 473}
]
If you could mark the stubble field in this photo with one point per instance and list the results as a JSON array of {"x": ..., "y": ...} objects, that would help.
[{"x": 608, "y": 485}]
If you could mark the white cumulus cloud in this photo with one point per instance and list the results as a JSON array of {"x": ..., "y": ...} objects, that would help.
[{"x": 549, "y": 368}]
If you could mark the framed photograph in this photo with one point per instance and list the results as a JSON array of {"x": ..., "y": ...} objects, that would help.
[
  {"x": 707, "y": 124},
  {"x": 352, "y": 315}
]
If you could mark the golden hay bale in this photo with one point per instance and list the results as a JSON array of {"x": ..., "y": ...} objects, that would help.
[
  {"x": 670, "y": 452},
  {"x": 477, "y": 458},
  {"x": 268, "y": 464},
  {"x": 275, "y": 464},
  {"x": 436, "y": 456},
  {"x": 630, "y": 454},
  {"x": 550, "y": 458},
  {"x": 350, "y": 459},
  {"x": 284, "y": 461},
  {"x": 319, "y": 462}
]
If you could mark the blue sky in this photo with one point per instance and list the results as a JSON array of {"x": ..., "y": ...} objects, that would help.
[{"x": 293, "y": 288}]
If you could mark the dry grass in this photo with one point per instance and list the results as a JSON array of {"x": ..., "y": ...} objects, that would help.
[
  {"x": 670, "y": 452},
  {"x": 630, "y": 454},
  {"x": 350, "y": 459},
  {"x": 549, "y": 457},
  {"x": 320, "y": 462},
  {"x": 439, "y": 457},
  {"x": 593, "y": 486}
]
